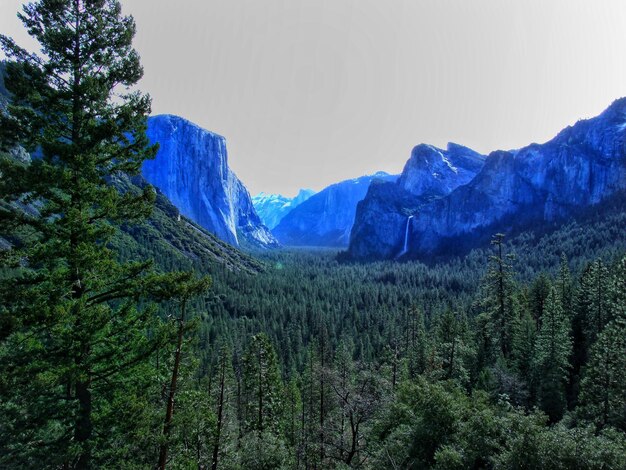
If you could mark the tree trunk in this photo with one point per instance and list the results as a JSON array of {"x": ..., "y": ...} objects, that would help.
[
  {"x": 169, "y": 412},
  {"x": 83, "y": 426},
  {"x": 355, "y": 435}
]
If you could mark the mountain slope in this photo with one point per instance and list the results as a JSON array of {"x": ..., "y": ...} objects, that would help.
[
  {"x": 273, "y": 207},
  {"x": 538, "y": 184},
  {"x": 386, "y": 214},
  {"x": 176, "y": 242},
  {"x": 327, "y": 217},
  {"x": 191, "y": 169}
]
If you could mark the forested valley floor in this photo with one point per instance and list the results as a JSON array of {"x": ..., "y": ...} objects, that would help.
[{"x": 513, "y": 356}]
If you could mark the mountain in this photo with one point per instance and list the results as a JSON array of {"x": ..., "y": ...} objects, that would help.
[
  {"x": 176, "y": 242},
  {"x": 191, "y": 169},
  {"x": 273, "y": 207},
  {"x": 326, "y": 218},
  {"x": 538, "y": 184},
  {"x": 384, "y": 216}
]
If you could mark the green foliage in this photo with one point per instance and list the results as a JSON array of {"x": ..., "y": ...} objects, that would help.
[
  {"x": 263, "y": 451},
  {"x": 603, "y": 388},
  {"x": 552, "y": 353},
  {"x": 261, "y": 387},
  {"x": 78, "y": 326}
]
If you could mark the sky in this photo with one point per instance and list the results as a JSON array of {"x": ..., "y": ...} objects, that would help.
[{"x": 311, "y": 92}]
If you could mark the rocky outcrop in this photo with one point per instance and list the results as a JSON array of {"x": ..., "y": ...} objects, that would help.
[
  {"x": 273, "y": 207},
  {"x": 580, "y": 167},
  {"x": 191, "y": 169},
  {"x": 386, "y": 214},
  {"x": 326, "y": 218},
  {"x": 538, "y": 184}
]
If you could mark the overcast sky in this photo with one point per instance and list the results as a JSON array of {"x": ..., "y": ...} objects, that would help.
[{"x": 310, "y": 92}]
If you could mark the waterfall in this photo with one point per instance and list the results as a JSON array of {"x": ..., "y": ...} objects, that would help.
[{"x": 405, "y": 247}]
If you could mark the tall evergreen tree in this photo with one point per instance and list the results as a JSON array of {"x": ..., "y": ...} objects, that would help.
[
  {"x": 451, "y": 348},
  {"x": 73, "y": 335},
  {"x": 539, "y": 291},
  {"x": 594, "y": 309},
  {"x": 183, "y": 288},
  {"x": 417, "y": 344},
  {"x": 261, "y": 387},
  {"x": 552, "y": 351},
  {"x": 223, "y": 398},
  {"x": 603, "y": 387},
  {"x": 523, "y": 354},
  {"x": 498, "y": 297},
  {"x": 564, "y": 287}
]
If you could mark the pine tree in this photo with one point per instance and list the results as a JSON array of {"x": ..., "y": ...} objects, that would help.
[
  {"x": 603, "y": 387},
  {"x": 564, "y": 287},
  {"x": 184, "y": 287},
  {"x": 75, "y": 336},
  {"x": 539, "y": 292},
  {"x": 311, "y": 399},
  {"x": 594, "y": 308},
  {"x": 451, "y": 348},
  {"x": 261, "y": 387},
  {"x": 618, "y": 290},
  {"x": 552, "y": 351},
  {"x": 293, "y": 412},
  {"x": 524, "y": 348},
  {"x": 498, "y": 300},
  {"x": 417, "y": 344},
  {"x": 223, "y": 398}
]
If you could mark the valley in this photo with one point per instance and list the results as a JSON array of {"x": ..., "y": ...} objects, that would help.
[{"x": 466, "y": 312}]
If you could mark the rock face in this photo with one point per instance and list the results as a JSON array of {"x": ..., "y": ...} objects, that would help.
[
  {"x": 583, "y": 165},
  {"x": 273, "y": 207},
  {"x": 191, "y": 169},
  {"x": 326, "y": 218},
  {"x": 385, "y": 216}
]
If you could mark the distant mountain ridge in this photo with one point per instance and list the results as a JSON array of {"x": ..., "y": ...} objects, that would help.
[
  {"x": 273, "y": 207},
  {"x": 191, "y": 169},
  {"x": 582, "y": 166},
  {"x": 326, "y": 218}
]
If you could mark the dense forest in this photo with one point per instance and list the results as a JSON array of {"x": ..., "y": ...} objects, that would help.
[{"x": 132, "y": 338}]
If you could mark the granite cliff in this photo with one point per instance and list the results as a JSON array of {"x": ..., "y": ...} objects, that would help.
[
  {"x": 191, "y": 169},
  {"x": 582, "y": 166}
]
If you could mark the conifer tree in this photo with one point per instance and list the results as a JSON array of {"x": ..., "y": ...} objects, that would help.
[
  {"x": 524, "y": 347},
  {"x": 417, "y": 344},
  {"x": 74, "y": 336},
  {"x": 222, "y": 397},
  {"x": 603, "y": 387},
  {"x": 451, "y": 348},
  {"x": 565, "y": 287},
  {"x": 539, "y": 291},
  {"x": 293, "y": 412},
  {"x": 552, "y": 351},
  {"x": 261, "y": 387},
  {"x": 498, "y": 300},
  {"x": 184, "y": 287},
  {"x": 311, "y": 400},
  {"x": 594, "y": 308},
  {"x": 618, "y": 290}
]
